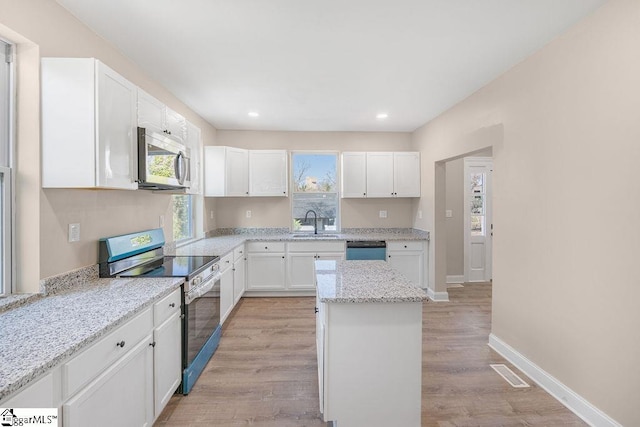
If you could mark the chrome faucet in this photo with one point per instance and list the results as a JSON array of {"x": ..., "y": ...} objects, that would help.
[{"x": 315, "y": 220}]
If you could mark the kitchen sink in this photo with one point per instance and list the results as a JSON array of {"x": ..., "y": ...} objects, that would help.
[{"x": 315, "y": 236}]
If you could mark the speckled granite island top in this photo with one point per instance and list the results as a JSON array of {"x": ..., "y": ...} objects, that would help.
[
  {"x": 38, "y": 336},
  {"x": 364, "y": 282}
]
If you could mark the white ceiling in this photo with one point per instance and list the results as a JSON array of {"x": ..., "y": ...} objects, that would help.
[{"x": 326, "y": 65}]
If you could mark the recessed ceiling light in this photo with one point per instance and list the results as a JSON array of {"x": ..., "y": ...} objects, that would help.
[
  {"x": 253, "y": 114},
  {"x": 381, "y": 116}
]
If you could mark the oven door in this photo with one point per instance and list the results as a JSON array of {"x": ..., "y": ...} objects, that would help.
[{"x": 201, "y": 329}]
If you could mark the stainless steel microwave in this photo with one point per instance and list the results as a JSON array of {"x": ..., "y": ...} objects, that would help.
[{"x": 163, "y": 162}]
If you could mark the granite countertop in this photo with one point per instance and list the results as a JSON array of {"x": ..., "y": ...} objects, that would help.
[
  {"x": 364, "y": 282},
  {"x": 38, "y": 336},
  {"x": 220, "y": 245}
]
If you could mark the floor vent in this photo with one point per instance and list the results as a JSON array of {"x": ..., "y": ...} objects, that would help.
[{"x": 509, "y": 376}]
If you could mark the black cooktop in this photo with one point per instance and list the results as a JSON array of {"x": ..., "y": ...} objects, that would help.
[{"x": 172, "y": 266}]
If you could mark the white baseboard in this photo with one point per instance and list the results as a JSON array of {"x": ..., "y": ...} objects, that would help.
[
  {"x": 576, "y": 403},
  {"x": 437, "y": 296},
  {"x": 455, "y": 278}
]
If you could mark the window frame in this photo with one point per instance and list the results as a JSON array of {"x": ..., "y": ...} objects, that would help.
[
  {"x": 292, "y": 192},
  {"x": 7, "y": 184},
  {"x": 192, "y": 219}
]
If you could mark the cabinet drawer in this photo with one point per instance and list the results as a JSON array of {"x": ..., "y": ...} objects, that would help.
[
  {"x": 238, "y": 252},
  {"x": 316, "y": 246},
  {"x": 168, "y": 305},
  {"x": 415, "y": 245},
  {"x": 84, "y": 367},
  {"x": 226, "y": 261},
  {"x": 265, "y": 247}
]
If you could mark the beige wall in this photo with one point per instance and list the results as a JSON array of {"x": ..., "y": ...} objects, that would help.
[
  {"x": 566, "y": 202},
  {"x": 454, "y": 225},
  {"x": 276, "y": 211},
  {"x": 42, "y": 216}
]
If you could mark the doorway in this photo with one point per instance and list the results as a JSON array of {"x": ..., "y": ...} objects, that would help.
[{"x": 478, "y": 223}]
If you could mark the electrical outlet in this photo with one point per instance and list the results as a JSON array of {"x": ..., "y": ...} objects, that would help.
[
  {"x": 419, "y": 214},
  {"x": 448, "y": 213},
  {"x": 74, "y": 233},
  {"x": 161, "y": 221},
  {"x": 211, "y": 215},
  {"x": 383, "y": 214},
  {"x": 248, "y": 214}
]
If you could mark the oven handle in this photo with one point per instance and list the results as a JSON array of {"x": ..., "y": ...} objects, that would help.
[{"x": 206, "y": 286}]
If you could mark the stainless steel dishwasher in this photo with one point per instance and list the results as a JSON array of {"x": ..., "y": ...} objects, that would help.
[{"x": 366, "y": 250}]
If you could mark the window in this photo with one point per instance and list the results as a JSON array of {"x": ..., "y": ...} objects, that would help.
[
  {"x": 315, "y": 188},
  {"x": 6, "y": 131},
  {"x": 182, "y": 217}
]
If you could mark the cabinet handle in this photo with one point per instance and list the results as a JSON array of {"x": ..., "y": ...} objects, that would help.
[
  {"x": 364, "y": 194},
  {"x": 120, "y": 344},
  {"x": 283, "y": 257},
  {"x": 266, "y": 247},
  {"x": 241, "y": 252},
  {"x": 152, "y": 344},
  {"x": 173, "y": 304},
  {"x": 227, "y": 261},
  {"x": 389, "y": 256},
  {"x": 316, "y": 309},
  {"x": 405, "y": 246}
]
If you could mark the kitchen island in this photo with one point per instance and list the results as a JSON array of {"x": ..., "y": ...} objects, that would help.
[{"x": 369, "y": 343}]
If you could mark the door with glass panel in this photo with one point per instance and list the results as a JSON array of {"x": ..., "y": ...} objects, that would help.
[{"x": 478, "y": 224}]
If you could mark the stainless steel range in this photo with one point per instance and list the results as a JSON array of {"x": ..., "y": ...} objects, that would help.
[{"x": 141, "y": 254}]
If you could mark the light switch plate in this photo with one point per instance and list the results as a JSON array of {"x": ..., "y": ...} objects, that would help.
[
  {"x": 74, "y": 233},
  {"x": 248, "y": 214},
  {"x": 448, "y": 213},
  {"x": 383, "y": 214}
]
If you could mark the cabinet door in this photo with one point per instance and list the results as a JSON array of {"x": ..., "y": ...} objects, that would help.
[
  {"x": 268, "y": 173},
  {"x": 301, "y": 270},
  {"x": 116, "y": 160},
  {"x": 194, "y": 142},
  {"x": 167, "y": 361},
  {"x": 380, "y": 175},
  {"x": 239, "y": 279},
  {"x": 406, "y": 174},
  {"x": 236, "y": 172},
  {"x": 226, "y": 294},
  {"x": 354, "y": 174},
  {"x": 409, "y": 264},
  {"x": 175, "y": 124},
  {"x": 124, "y": 391},
  {"x": 150, "y": 112},
  {"x": 266, "y": 271},
  {"x": 40, "y": 394}
]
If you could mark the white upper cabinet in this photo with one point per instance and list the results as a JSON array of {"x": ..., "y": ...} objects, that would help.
[
  {"x": 226, "y": 171},
  {"x": 154, "y": 115},
  {"x": 88, "y": 126},
  {"x": 406, "y": 174},
  {"x": 354, "y": 174},
  {"x": 194, "y": 142},
  {"x": 268, "y": 173},
  {"x": 234, "y": 172},
  {"x": 380, "y": 174}
]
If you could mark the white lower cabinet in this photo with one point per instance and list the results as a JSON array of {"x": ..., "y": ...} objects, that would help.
[
  {"x": 167, "y": 350},
  {"x": 43, "y": 393},
  {"x": 266, "y": 266},
  {"x": 226, "y": 287},
  {"x": 370, "y": 363},
  {"x": 239, "y": 273},
  {"x": 124, "y": 389},
  {"x": 300, "y": 261},
  {"x": 409, "y": 259}
]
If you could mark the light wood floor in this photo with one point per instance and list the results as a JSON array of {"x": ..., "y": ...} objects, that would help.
[{"x": 264, "y": 372}]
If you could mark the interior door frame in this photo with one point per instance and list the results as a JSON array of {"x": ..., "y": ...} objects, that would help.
[{"x": 468, "y": 162}]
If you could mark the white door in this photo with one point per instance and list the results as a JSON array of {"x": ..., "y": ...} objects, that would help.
[
  {"x": 268, "y": 173},
  {"x": 406, "y": 174},
  {"x": 478, "y": 224},
  {"x": 354, "y": 174},
  {"x": 237, "y": 172},
  {"x": 380, "y": 174}
]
